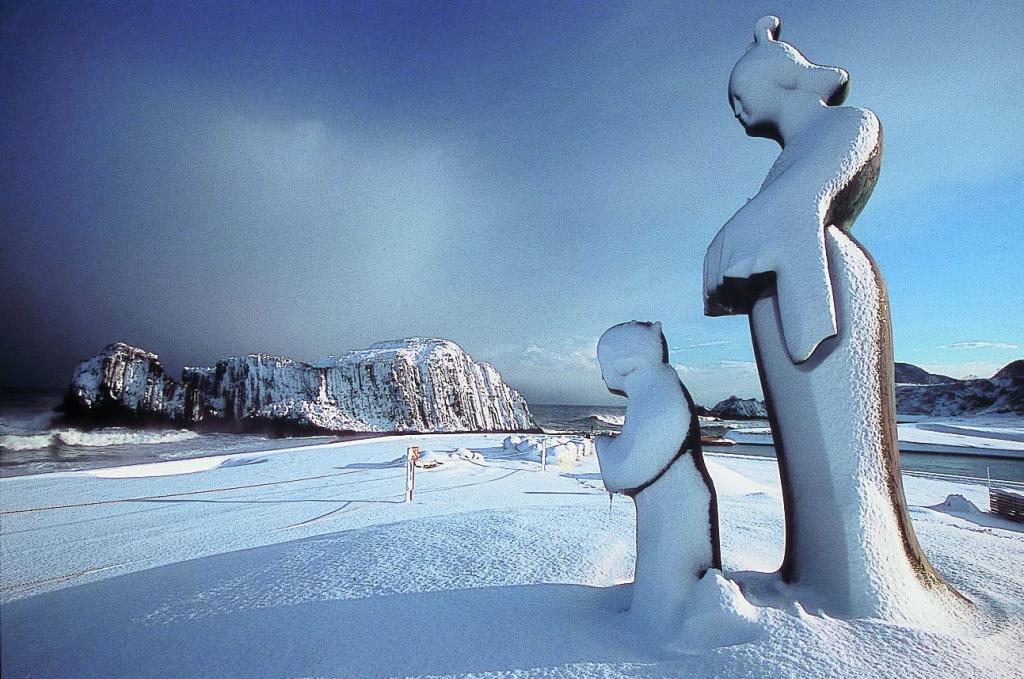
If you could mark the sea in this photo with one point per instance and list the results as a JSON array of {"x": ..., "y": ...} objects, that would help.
[{"x": 33, "y": 440}]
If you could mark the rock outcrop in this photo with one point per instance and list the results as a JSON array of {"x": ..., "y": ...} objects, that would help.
[
  {"x": 734, "y": 408},
  {"x": 1002, "y": 393},
  {"x": 416, "y": 384}
]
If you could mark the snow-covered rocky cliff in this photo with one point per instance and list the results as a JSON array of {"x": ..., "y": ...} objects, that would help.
[
  {"x": 413, "y": 384},
  {"x": 1002, "y": 393}
]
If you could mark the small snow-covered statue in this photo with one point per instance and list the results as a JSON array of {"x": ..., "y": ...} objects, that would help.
[
  {"x": 657, "y": 461},
  {"x": 819, "y": 319}
]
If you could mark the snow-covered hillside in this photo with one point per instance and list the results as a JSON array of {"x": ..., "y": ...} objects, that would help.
[{"x": 414, "y": 384}]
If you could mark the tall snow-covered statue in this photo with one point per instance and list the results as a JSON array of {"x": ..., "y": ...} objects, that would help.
[
  {"x": 657, "y": 461},
  {"x": 819, "y": 318}
]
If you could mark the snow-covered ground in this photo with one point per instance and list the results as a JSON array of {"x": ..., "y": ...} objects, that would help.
[
  {"x": 993, "y": 436},
  {"x": 306, "y": 562}
]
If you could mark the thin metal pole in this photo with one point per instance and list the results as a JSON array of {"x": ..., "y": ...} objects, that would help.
[
  {"x": 543, "y": 454},
  {"x": 411, "y": 455}
]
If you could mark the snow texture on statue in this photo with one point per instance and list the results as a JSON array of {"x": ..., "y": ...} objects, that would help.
[
  {"x": 657, "y": 461},
  {"x": 819, "y": 318}
]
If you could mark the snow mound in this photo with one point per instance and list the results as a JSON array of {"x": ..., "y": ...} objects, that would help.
[
  {"x": 956, "y": 504},
  {"x": 719, "y": 615},
  {"x": 561, "y": 450},
  {"x": 435, "y": 458}
]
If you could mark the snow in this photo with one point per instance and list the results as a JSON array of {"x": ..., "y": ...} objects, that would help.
[
  {"x": 562, "y": 450},
  {"x": 495, "y": 569},
  {"x": 931, "y": 435},
  {"x": 934, "y": 435}
]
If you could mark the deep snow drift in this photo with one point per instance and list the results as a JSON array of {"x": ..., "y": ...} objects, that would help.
[{"x": 308, "y": 563}]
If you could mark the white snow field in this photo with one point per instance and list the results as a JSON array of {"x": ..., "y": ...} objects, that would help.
[
  {"x": 994, "y": 436},
  {"x": 306, "y": 562}
]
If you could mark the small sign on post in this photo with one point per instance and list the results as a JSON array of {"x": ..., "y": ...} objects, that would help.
[{"x": 412, "y": 454}]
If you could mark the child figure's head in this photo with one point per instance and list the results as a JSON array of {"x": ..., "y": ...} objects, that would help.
[
  {"x": 628, "y": 347},
  {"x": 765, "y": 79}
]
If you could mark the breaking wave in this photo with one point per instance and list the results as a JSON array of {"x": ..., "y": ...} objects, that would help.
[
  {"x": 26, "y": 441},
  {"x": 112, "y": 436},
  {"x": 617, "y": 420},
  {"x": 601, "y": 420}
]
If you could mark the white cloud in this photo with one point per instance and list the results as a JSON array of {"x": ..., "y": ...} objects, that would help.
[
  {"x": 567, "y": 371},
  {"x": 701, "y": 345},
  {"x": 570, "y": 355},
  {"x": 980, "y": 344}
]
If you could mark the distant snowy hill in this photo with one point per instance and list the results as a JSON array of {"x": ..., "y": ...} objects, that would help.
[
  {"x": 907, "y": 373},
  {"x": 937, "y": 395},
  {"x": 414, "y": 384}
]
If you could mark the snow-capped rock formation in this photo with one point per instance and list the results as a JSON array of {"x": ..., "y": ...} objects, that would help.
[
  {"x": 821, "y": 330},
  {"x": 121, "y": 380},
  {"x": 941, "y": 396},
  {"x": 734, "y": 408},
  {"x": 658, "y": 462},
  {"x": 407, "y": 385}
]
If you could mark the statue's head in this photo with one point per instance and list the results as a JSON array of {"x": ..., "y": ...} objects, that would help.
[
  {"x": 773, "y": 76},
  {"x": 627, "y": 348}
]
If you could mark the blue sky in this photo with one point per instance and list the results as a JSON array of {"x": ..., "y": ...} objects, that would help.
[{"x": 212, "y": 179}]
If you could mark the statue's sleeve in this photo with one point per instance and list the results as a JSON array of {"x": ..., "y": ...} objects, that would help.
[{"x": 762, "y": 248}]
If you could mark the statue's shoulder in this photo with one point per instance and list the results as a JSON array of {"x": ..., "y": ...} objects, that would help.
[{"x": 860, "y": 122}]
